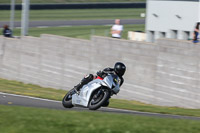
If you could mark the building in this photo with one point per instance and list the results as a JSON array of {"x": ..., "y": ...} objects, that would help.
[{"x": 171, "y": 19}]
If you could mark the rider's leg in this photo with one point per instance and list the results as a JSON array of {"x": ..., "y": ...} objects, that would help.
[{"x": 84, "y": 81}]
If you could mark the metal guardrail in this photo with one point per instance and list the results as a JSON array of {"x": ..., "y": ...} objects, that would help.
[{"x": 76, "y": 6}]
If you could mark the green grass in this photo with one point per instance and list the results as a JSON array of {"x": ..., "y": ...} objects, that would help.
[
  {"x": 134, "y": 105},
  {"x": 15, "y": 87},
  {"x": 35, "y": 120},
  {"x": 77, "y": 14},
  {"x": 72, "y": 1},
  {"x": 82, "y": 32}
]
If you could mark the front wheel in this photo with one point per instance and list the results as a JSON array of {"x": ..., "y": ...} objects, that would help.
[
  {"x": 67, "y": 100},
  {"x": 98, "y": 99}
]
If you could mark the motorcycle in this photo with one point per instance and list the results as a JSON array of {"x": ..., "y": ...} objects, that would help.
[{"x": 95, "y": 94}]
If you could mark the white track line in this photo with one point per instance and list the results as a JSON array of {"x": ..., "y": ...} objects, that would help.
[
  {"x": 102, "y": 107},
  {"x": 16, "y": 95},
  {"x": 29, "y": 97},
  {"x": 151, "y": 113}
]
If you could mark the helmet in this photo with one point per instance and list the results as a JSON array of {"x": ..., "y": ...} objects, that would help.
[{"x": 119, "y": 68}]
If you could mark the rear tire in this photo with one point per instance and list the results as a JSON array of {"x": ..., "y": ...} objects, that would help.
[
  {"x": 106, "y": 103},
  {"x": 97, "y": 102},
  {"x": 67, "y": 100}
]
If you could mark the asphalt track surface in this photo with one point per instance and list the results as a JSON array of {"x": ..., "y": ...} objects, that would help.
[
  {"x": 50, "y": 23},
  {"x": 27, "y": 101}
]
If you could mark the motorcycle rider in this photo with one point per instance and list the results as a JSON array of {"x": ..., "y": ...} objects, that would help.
[{"x": 119, "y": 69}]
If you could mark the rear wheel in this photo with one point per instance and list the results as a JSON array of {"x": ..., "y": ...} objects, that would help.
[
  {"x": 106, "y": 103},
  {"x": 99, "y": 98},
  {"x": 67, "y": 100}
]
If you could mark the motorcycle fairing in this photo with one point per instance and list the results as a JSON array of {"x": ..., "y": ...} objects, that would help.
[
  {"x": 114, "y": 85},
  {"x": 85, "y": 93}
]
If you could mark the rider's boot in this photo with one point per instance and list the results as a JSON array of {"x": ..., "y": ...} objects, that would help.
[{"x": 77, "y": 88}]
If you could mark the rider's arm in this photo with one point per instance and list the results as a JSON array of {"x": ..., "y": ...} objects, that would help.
[
  {"x": 122, "y": 81},
  {"x": 108, "y": 70},
  {"x": 105, "y": 72}
]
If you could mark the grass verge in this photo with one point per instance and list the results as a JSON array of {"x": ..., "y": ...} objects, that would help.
[
  {"x": 15, "y": 87},
  {"x": 82, "y": 32},
  {"x": 77, "y": 14},
  {"x": 36, "y": 120}
]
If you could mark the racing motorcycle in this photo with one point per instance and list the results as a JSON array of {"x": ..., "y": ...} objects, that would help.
[{"x": 94, "y": 94}]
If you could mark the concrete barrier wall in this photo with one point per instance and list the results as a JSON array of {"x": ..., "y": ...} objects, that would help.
[
  {"x": 140, "y": 59},
  {"x": 166, "y": 73},
  {"x": 177, "y": 75}
]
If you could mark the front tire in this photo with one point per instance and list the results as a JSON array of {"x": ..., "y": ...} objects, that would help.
[
  {"x": 97, "y": 102},
  {"x": 67, "y": 100}
]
